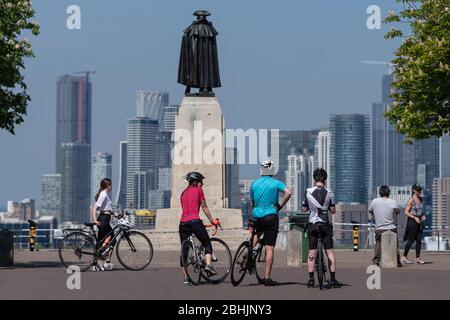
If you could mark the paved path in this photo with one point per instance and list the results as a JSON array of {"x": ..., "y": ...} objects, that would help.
[{"x": 40, "y": 276}]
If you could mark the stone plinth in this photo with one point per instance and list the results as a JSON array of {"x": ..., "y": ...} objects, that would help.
[{"x": 388, "y": 250}]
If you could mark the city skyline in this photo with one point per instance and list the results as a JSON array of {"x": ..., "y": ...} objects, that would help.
[{"x": 59, "y": 51}]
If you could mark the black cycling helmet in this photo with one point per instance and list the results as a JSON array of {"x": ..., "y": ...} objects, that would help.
[
  {"x": 320, "y": 175},
  {"x": 194, "y": 176},
  {"x": 417, "y": 187}
]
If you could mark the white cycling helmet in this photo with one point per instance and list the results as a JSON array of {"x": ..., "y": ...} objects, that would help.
[{"x": 267, "y": 168}]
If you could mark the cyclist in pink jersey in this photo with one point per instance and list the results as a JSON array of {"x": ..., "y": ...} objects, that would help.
[{"x": 191, "y": 200}]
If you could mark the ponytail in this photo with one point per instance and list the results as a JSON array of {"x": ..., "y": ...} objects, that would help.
[{"x": 104, "y": 184}]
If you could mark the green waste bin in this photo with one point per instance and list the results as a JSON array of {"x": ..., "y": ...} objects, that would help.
[
  {"x": 6, "y": 248},
  {"x": 299, "y": 222}
]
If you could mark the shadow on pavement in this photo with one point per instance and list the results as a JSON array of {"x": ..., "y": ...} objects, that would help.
[{"x": 34, "y": 265}]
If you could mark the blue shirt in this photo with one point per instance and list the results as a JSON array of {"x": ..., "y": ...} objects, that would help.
[{"x": 264, "y": 192}]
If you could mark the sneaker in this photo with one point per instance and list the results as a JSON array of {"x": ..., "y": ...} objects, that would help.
[
  {"x": 420, "y": 261},
  {"x": 187, "y": 282},
  {"x": 310, "y": 283},
  {"x": 108, "y": 266},
  {"x": 95, "y": 268},
  {"x": 335, "y": 284},
  {"x": 270, "y": 283},
  {"x": 405, "y": 260},
  {"x": 210, "y": 270}
]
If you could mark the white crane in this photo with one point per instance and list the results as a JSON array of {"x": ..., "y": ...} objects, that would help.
[{"x": 390, "y": 65}]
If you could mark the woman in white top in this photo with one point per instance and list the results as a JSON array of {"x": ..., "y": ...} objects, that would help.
[{"x": 103, "y": 204}]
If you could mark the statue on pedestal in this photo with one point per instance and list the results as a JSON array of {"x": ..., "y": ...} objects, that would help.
[{"x": 199, "y": 62}]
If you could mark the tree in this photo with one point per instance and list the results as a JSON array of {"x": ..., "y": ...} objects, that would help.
[
  {"x": 16, "y": 18},
  {"x": 421, "y": 87}
]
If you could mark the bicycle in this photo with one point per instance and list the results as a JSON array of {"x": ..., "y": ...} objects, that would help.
[
  {"x": 194, "y": 263},
  {"x": 82, "y": 248},
  {"x": 320, "y": 266},
  {"x": 249, "y": 259}
]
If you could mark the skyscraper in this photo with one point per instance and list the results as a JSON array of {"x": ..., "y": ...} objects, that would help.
[
  {"x": 421, "y": 163},
  {"x": 151, "y": 105},
  {"x": 441, "y": 207},
  {"x": 293, "y": 142},
  {"x": 444, "y": 156},
  {"x": 168, "y": 119},
  {"x": 166, "y": 128},
  {"x": 387, "y": 144},
  {"x": 232, "y": 178},
  {"x": 349, "y": 156},
  {"x": 75, "y": 182},
  {"x": 121, "y": 195},
  {"x": 73, "y": 113},
  {"x": 73, "y": 145},
  {"x": 51, "y": 195},
  {"x": 101, "y": 168},
  {"x": 293, "y": 177},
  {"x": 322, "y": 154},
  {"x": 142, "y": 157}
]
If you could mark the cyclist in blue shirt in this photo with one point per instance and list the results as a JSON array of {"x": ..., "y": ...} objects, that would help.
[{"x": 264, "y": 193}]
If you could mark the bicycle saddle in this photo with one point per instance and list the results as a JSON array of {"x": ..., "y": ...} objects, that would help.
[{"x": 89, "y": 225}]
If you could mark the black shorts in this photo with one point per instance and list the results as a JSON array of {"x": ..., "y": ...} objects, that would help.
[
  {"x": 269, "y": 226},
  {"x": 325, "y": 231}
]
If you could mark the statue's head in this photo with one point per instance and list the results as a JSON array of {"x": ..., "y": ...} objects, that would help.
[{"x": 202, "y": 14}]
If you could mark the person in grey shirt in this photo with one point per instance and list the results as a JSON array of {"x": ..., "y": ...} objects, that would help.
[{"x": 384, "y": 212}]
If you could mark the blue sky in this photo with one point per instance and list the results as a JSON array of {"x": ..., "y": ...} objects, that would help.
[{"x": 285, "y": 64}]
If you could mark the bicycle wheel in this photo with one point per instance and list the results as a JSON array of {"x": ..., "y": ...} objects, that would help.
[
  {"x": 260, "y": 265},
  {"x": 77, "y": 249},
  {"x": 240, "y": 263},
  {"x": 319, "y": 264},
  {"x": 134, "y": 250},
  {"x": 191, "y": 262},
  {"x": 221, "y": 261}
]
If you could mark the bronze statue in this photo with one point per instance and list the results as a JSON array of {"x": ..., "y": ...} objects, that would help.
[{"x": 199, "y": 62}]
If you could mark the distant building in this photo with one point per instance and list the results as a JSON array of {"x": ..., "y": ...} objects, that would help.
[
  {"x": 246, "y": 204},
  {"x": 349, "y": 213},
  {"x": 232, "y": 178},
  {"x": 165, "y": 179},
  {"x": 73, "y": 114},
  {"x": 121, "y": 195},
  {"x": 444, "y": 156},
  {"x": 151, "y": 105},
  {"x": 51, "y": 195},
  {"x": 23, "y": 210},
  {"x": 159, "y": 199},
  {"x": 350, "y": 157},
  {"x": 297, "y": 179},
  {"x": 322, "y": 154},
  {"x": 142, "y": 157},
  {"x": 75, "y": 183},
  {"x": 293, "y": 142},
  {"x": 101, "y": 168},
  {"x": 169, "y": 115},
  {"x": 441, "y": 208},
  {"x": 166, "y": 129}
]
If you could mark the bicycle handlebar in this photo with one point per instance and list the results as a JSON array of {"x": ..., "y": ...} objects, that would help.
[{"x": 216, "y": 226}]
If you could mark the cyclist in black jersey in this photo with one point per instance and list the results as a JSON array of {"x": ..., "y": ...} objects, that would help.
[{"x": 319, "y": 201}]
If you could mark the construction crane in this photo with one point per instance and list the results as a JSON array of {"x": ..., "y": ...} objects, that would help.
[
  {"x": 87, "y": 73},
  {"x": 390, "y": 65}
]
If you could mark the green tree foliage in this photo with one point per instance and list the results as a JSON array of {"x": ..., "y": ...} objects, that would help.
[
  {"x": 16, "y": 18},
  {"x": 421, "y": 88}
]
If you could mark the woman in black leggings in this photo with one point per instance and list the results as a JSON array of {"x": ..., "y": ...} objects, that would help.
[{"x": 414, "y": 227}]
